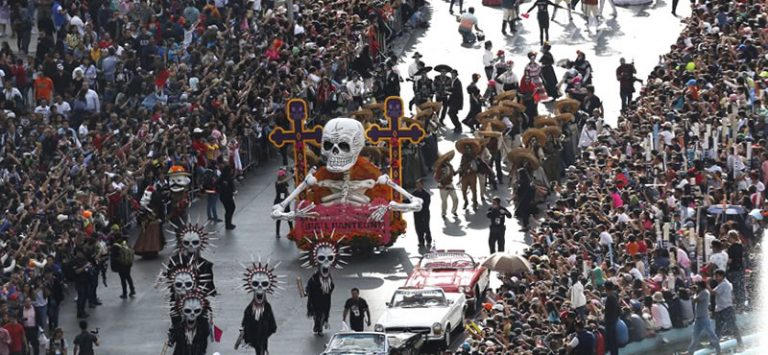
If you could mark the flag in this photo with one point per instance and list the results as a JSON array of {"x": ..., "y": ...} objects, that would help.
[{"x": 217, "y": 333}]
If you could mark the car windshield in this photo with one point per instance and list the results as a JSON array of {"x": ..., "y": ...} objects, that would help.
[
  {"x": 446, "y": 260},
  {"x": 418, "y": 298},
  {"x": 362, "y": 343}
]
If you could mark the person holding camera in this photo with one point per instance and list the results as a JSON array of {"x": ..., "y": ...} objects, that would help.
[
  {"x": 497, "y": 214},
  {"x": 85, "y": 341}
]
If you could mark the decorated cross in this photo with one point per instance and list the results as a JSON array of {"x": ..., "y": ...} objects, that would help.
[
  {"x": 297, "y": 134},
  {"x": 393, "y": 135}
]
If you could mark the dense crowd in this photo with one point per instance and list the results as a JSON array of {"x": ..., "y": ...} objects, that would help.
[
  {"x": 652, "y": 227},
  {"x": 116, "y": 93}
]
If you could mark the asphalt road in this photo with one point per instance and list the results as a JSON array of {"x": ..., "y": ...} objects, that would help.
[{"x": 138, "y": 326}]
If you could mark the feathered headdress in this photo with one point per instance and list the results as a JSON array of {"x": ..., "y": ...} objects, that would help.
[{"x": 319, "y": 247}]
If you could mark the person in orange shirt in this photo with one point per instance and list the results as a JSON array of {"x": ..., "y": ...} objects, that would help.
[{"x": 43, "y": 87}]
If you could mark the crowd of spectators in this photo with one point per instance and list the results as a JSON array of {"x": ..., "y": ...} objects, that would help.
[
  {"x": 115, "y": 93},
  {"x": 606, "y": 270}
]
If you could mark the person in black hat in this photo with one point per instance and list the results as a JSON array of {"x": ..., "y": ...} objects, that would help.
[
  {"x": 455, "y": 101},
  {"x": 442, "y": 86},
  {"x": 421, "y": 218},
  {"x": 497, "y": 214}
]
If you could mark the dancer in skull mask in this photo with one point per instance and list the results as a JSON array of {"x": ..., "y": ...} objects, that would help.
[
  {"x": 191, "y": 240},
  {"x": 189, "y": 333},
  {"x": 258, "y": 320},
  {"x": 323, "y": 254}
]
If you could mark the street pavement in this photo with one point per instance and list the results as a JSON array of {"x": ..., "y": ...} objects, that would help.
[{"x": 139, "y": 326}]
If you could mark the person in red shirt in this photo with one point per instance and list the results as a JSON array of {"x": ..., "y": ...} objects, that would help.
[{"x": 16, "y": 330}]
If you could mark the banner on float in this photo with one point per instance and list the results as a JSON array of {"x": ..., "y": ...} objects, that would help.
[{"x": 346, "y": 220}]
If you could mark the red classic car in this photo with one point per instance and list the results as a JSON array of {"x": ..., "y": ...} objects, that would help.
[{"x": 453, "y": 271}]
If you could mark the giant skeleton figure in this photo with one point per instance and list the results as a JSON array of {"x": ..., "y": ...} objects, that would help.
[
  {"x": 258, "y": 320},
  {"x": 343, "y": 140},
  {"x": 324, "y": 253},
  {"x": 189, "y": 332}
]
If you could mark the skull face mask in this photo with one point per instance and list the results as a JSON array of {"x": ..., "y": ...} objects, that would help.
[
  {"x": 183, "y": 282},
  {"x": 343, "y": 140},
  {"x": 260, "y": 283},
  {"x": 191, "y": 309},
  {"x": 146, "y": 197},
  {"x": 325, "y": 258},
  {"x": 178, "y": 178},
  {"x": 190, "y": 242},
  {"x": 191, "y": 239}
]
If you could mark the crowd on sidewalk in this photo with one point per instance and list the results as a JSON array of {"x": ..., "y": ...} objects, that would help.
[
  {"x": 652, "y": 226},
  {"x": 116, "y": 93}
]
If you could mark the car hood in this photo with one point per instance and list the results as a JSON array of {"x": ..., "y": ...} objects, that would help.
[
  {"x": 412, "y": 317},
  {"x": 449, "y": 279}
]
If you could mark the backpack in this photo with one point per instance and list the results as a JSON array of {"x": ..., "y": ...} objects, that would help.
[
  {"x": 209, "y": 180},
  {"x": 125, "y": 257}
]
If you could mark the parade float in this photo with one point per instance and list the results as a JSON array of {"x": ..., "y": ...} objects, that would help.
[{"x": 345, "y": 194}]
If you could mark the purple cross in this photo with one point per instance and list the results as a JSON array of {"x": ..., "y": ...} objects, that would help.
[
  {"x": 394, "y": 113},
  {"x": 298, "y": 133}
]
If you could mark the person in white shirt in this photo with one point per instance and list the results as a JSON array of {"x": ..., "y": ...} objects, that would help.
[
  {"x": 62, "y": 107},
  {"x": 666, "y": 133},
  {"x": 576, "y": 295},
  {"x": 92, "y": 103},
  {"x": 631, "y": 268},
  {"x": 488, "y": 60},
  {"x": 356, "y": 89},
  {"x": 660, "y": 312},
  {"x": 78, "y": 23},
  {"x": 414, "y": 67},
  {"x": 44, "y": 110},
  {"x": 719, "y": 257}
]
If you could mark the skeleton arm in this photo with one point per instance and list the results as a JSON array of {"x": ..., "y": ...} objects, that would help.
[
  {"x": 413, "y": 206},
  {"x": 277, "y": 210}
]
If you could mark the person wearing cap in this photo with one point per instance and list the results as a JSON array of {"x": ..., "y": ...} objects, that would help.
[
  {"x": 414, "y": 67},
  {"x": 421, "y": 218},
  {"x": 497, "y": 214},
  {"x": 442, "y": 86}
]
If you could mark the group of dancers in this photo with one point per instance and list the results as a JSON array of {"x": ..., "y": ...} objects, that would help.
[{"x": 189, "y": 279}]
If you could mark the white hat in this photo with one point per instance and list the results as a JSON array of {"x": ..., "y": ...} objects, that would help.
[{"x": 197, "y": 130}]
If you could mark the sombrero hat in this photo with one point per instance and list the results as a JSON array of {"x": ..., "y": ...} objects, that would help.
[
  {"x": 424, "y": 114},
  {"x": 552, "y": 131},
  {"x": 472, "y": 143},
  {"x": 407, "y": 122},
  {"x": 311, "y": 157},
  {"x": 506, "y": 95},
  {"x": 362, "y": 115},
  {"x": 512, "y": 104},
  {"x": 544, "y": 121},
  {"x": 564, "y": 117},
  {"x": 486, "y": 132},
  {"x": 374, "y": 106},
  {"x": 435, "y": 106},
  {"x": 447, "y": 157},
  {"x": 517, "y": 156},
  {"x": 486, "y": 115},
  {"x": 494, "y": 124},
  {"x": 507, "y": 111},
  {"x": 567, "y": 105},
  {"x": 531, "y": 133},
  {"x": 372, "y": 153}
]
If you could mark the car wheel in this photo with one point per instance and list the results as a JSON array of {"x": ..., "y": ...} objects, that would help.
[{"x": 447, "y": 337}]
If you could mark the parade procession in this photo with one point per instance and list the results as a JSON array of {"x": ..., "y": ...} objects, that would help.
[{"x": 585, "y": 184}]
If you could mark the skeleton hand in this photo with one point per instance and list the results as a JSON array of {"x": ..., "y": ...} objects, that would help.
[
  {"x": 378, "y": 212},
  {"x": 304, "y": 212}
]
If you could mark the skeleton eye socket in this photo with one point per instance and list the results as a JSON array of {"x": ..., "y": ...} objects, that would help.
[
  {"x": 321, "y": 258},
  {"x": 198, "y": 311},
  {"x": 178, "y": 284},
  {"x": 327, "y": 145},
  {"x": 330, "y": 258},
  {"x": 188, "y": 311},
  {"x": 265, "y": 284},
  {"x": 344, "y": 146},
  {"x": 188, "y": 284}
]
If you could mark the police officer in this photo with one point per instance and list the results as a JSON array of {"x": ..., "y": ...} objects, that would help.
[{"x": 497, "y": 215}]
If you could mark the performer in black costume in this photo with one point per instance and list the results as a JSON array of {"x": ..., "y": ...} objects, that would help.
[
  {"x": 191, "y": 240},
  {"x": 324, "y": 254},
  {"x": 191, "y": 328},
  {"x": 258, "y": 320},
  {"x": 542, "y": 15},
  {"x": 548, "y": 72},
  {"x": 281, "y": 193}
]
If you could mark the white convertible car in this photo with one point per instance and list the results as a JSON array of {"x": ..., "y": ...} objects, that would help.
[{"x": 428, "y": 311}]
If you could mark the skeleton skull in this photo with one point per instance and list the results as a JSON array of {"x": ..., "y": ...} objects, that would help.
[
  {"x": 146, "y": 198},
  {"x": 183, "y": 282},
  {"x": 260, "y": 283},
  {"x": 343, "y": 140},
  {"x": 191, "y": 242},
  {"x": 191, "y": 309},
  {"x": 325, "y": 258},
  {"x": 179, "y": 182}
]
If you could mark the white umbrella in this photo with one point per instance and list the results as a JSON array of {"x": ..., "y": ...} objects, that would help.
[{"x": 507, "y": 263}]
